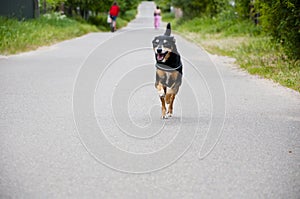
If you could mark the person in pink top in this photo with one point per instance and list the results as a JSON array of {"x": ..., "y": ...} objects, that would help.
[{"x": 157, "y": 17}]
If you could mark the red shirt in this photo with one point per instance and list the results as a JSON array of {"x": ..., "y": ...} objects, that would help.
[{"x": 114, "y": 10}]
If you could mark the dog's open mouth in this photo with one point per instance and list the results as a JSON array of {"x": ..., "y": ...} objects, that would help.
[{"x": 160, "y": 56}]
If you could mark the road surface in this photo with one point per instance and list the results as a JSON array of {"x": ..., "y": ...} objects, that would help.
[{"x": 81, "y": 119}]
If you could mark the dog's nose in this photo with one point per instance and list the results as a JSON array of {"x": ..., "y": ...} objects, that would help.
[{"x": 159, "y": 50}]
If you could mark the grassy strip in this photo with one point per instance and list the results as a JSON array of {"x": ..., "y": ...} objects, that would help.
[
  {"x": 19, "y": 36},
  {"x": 256, "y": 53}
]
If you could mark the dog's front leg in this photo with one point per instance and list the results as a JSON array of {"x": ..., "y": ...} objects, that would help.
[
  {"x": 162, "y": 94},
  {"x": 171, "y": 101},
  {"x": 170, "y": 97},
  {"x": 163, "y": 108}
]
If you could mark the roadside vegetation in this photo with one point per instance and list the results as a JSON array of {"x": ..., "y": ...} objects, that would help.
[
  {"x": 261, "y": 45},
  {"x": 19, "y": 36},
  {"x": 58, "y": 20}
]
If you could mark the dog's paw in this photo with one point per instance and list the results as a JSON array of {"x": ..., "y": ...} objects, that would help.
[
  {"x": 164, "y": 117},
  {"x": 169, "y": 115}
]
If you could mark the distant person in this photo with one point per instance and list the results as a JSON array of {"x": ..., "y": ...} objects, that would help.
[
  {"x": 157, "y": 17},
  {"x": 114, "y": 12}
]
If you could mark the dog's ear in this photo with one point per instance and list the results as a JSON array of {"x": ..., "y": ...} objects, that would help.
[{"x": 168, "y": 30}]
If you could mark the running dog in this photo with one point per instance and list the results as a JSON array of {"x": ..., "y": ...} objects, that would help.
[{"x": 168, "y": 70}]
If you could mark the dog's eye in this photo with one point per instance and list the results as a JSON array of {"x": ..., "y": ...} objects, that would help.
[
  {"x": 155, "y": 42},
  {"x": 167, "y": 44}
]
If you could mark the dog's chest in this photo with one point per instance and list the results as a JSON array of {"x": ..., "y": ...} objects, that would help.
[{"x": 168, "y": 78}]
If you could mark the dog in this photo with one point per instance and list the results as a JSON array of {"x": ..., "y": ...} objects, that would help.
[{"x": 168, "y": 70}]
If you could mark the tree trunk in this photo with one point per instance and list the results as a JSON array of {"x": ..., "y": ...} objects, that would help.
[
  {"x": 44, "y": 6},
  {"x": 36, "y": 9}
]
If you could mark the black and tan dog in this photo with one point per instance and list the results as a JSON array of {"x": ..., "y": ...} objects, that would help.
[{"x": 168, "y": 70}]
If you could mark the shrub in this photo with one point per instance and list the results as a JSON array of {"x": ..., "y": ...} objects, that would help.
[
  {"x": 129, "y": 15},
  {"x": 280, "y": 18},
  {"x": 100, "y": 21}
]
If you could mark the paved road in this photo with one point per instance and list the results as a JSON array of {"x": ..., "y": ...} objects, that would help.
[{"x": 80, "y": 119}]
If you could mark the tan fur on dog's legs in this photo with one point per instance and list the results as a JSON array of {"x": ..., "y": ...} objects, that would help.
[
  {"x": 161, "y": 90},
  {"x": 170, "y": 108},
  {"x": 162, "y": 94},
  {"x": 168, "y": 95},
  {"x": 163, "y": 108}
]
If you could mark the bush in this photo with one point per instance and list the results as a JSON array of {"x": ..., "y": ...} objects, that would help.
[
  {"x": 129, "y": 15},
  {"x": 280, "y": 19},
  {"x": 164, "y": 5},
  {"x": 100, "y": 21}
]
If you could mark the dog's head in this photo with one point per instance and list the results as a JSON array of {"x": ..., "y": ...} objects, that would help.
[{"x": 164, "y": 45}]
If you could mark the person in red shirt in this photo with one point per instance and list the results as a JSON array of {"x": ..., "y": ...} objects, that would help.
[{"x": 114, "y": 12}]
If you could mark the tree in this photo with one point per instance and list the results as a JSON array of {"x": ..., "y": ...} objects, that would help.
[{"x": 243, "y": 8}]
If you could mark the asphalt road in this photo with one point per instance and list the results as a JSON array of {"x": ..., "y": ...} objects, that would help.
[{"x": 81, "y": 119}]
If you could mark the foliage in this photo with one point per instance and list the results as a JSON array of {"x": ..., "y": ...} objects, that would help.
[
  {"x": 243, "y": 8},
  {"x": 101, "y": 6},
  {"x": 277, "y": 18},
  {"x": 242, "y": 39},
  {"x": 53, "y": 3},
  {"x": 197, "y": 8},
  {"x": 86, "y": 8},
  {"x": 100, "y": 21},
  {"x": 281, "y": 19},
  {"x": 220, "y": 25},
  {"x": 129, "y": 15},
  {"x": 164, "y": 5},
  {"x": 17, "y": 36}
]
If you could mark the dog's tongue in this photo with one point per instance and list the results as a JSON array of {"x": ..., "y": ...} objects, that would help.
[{"x": 160, "y": 57}]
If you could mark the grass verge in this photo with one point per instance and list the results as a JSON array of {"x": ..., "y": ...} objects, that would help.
[
  {"x": 19, "y": 36},
  {"x": 242, "y": 40}
]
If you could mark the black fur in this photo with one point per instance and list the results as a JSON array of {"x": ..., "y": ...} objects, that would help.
[
  {"x": 167, "y": 41},
  {"x": 173, "y": 63},
  {"x": 168, "y": 30},
  {"x": 168, "y": 70}
]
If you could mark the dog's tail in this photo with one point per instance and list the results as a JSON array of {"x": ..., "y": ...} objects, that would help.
[{"x": 168, "y": 30}]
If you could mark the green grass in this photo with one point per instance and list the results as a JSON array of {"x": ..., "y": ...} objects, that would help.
[
  {"x": 19, "y": 36},
  {"x": 100, "y": 21},
  {"x": 255, "y": 52}
]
